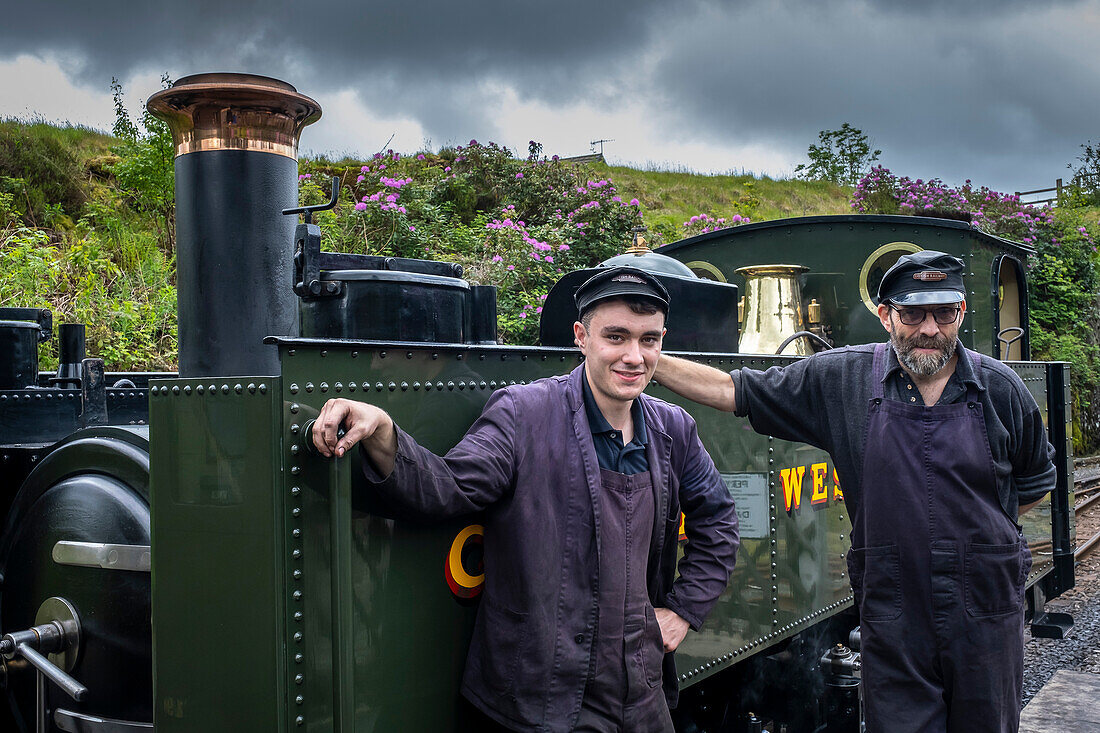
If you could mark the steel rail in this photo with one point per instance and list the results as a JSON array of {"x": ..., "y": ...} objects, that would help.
[
  {"x": 1086, "y": 548},
  {"x": 1093, "y": 541},
  {"x": 1078, "y": 508}
]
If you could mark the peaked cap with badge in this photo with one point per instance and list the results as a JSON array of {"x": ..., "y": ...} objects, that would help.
[
  {"x": 616, "y": 282},
  {"x": 923, "y": 278}
]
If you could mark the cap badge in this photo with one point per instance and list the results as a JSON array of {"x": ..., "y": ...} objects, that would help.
[
  {"x": 627, "y": 278},
  {"x": 930, "y": 276}
]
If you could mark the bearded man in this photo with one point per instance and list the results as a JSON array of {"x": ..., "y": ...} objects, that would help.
[{"x": 938, "y": 449}]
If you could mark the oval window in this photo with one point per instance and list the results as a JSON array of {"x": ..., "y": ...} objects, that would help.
[{"x": 881, "y": 260}]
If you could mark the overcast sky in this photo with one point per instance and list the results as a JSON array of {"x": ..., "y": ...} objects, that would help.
[{"x": 1000, "y": 92}]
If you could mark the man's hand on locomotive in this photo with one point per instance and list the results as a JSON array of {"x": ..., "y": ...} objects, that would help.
[{"x": 361, "y": 422}]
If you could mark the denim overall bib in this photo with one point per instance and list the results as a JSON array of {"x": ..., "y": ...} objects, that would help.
[
  {"x": 938, "y": 571},
  {"x": 624, "y": 683}
]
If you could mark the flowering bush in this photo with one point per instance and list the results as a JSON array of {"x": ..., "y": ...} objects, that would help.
[
  {"x": 882, "y": 192},
  {"x": 517, "y": 224},
  {"x": 703, "y": 223}
]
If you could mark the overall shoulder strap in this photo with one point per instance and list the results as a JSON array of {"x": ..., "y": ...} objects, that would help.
[{"x": 878, "y": 370}]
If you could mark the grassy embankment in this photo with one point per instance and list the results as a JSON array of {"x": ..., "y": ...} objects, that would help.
[
  {"x": 74, "y": 239},
  {"x": 669, "y": 199}
]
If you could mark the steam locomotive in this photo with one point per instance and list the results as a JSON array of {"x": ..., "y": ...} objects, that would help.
[{"x": 174, "y": 556}]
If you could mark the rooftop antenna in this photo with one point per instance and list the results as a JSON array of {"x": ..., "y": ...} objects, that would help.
[{"x": 594, "y": 143}]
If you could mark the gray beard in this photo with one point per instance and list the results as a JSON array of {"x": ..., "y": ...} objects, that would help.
[{"x": 922, "y": 364}]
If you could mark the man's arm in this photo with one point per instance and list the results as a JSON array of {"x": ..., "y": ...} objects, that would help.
[
  {"x": 711, "y": 550},
  {"x": 473, "y": 475},
  {"x": 1033, "y": 472},
  {"x": 697, "y": 382},
  {"x": 1029, "y": 507}
]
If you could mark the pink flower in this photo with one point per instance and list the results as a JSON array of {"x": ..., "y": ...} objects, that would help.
[
  {"x": 539, "y": 309},
  {"x": 365, "y": 169},
  {"x": 548, "y": 258},
  {"x": 511, "y": 267},
  {"x": 391, "y": 198},
  {"x": 519, "y": 175},
  {"x": 523, "y": 314},
  {"x": 420, "y": 157},
  {"x": 360, "y": 179},
  {"x": 497, "y": 258},
  {"x": 360, "y": 206},
  {"x": 411, "y": 227},
  {"x": 447, "y": 169},
  {"x": 562, "y": 248},
  {"x": 473, "y": 143},
  {"x": 633, "y": 202}
]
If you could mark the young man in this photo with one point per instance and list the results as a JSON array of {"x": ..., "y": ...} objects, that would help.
[
  {"x": 582, "y": 479},
  {"x": 937, "y": 449}
]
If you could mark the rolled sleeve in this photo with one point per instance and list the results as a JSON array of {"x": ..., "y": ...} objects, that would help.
[
  {"x": 782, "y": 401},
  {"x": 1033, "y": 469}
]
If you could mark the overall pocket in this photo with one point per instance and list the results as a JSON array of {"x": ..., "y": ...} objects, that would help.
[
  {"x": 653, "y": 648},
  {"x": 994, "y": 578},
  {"x": 874, "y": 573},
  {"x": 498, "y": 659}
]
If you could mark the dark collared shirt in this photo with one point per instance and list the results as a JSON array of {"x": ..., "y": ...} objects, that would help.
[
  {"x": 610, "y": 451},
  {"x": 822, "y": 401}
]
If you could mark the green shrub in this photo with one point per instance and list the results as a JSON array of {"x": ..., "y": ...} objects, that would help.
[{"x": 38, "y": 169}]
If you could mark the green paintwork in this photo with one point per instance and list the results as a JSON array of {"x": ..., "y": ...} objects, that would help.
[
  {"x": 835, "y": 248},
  {"x": 217, "y": 585}
]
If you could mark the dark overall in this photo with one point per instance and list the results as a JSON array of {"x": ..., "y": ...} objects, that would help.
[
  {"x": 938, "y": 571},
  {"x": 623, "y": 693}
]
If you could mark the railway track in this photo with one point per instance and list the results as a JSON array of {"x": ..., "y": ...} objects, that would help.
[{"x": 1087, "y": 493}]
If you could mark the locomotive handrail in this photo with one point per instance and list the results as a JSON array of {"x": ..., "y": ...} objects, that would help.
[
  {"x": 307, "y": 211},
  {"x": 802, "y": 334}
]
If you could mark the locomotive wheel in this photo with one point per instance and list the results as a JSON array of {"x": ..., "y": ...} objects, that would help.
[{"x": 92, "y": 487}]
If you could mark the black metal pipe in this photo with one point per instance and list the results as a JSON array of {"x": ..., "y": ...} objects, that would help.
[
  {"x": 18, "y": 354},
  {"x": 71, "y": 352},
  {"x": 236, "y": 138}
]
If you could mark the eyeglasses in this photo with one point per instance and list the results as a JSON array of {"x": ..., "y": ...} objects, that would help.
[{"x": 944, "y": 315}]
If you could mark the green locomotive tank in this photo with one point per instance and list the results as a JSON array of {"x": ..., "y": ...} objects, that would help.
[{"x": 284, "y": 598}]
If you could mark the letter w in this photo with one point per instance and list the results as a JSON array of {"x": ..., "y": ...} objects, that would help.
[{"x": 792, "y": 486}]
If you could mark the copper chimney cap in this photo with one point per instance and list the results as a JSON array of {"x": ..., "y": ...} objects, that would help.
[{"x": 226, "y": 111}]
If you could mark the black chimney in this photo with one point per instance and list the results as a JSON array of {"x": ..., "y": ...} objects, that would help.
[{"x": 236, "y": 138}]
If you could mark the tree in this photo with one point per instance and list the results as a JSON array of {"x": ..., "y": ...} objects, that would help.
[
  {"x": 841, "y": 156},
  {"x": 1086, "y": 176},
  {"x": 145, "y": 167}
]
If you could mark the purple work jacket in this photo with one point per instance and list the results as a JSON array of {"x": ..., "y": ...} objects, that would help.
[{"x": 529, "y": 464}]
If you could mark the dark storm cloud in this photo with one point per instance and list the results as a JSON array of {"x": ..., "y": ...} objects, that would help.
[
  {"x": 1003, "y": 97},
  {"x": 426, "y": 59},
  {"x": 1002, "y": 91}
]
